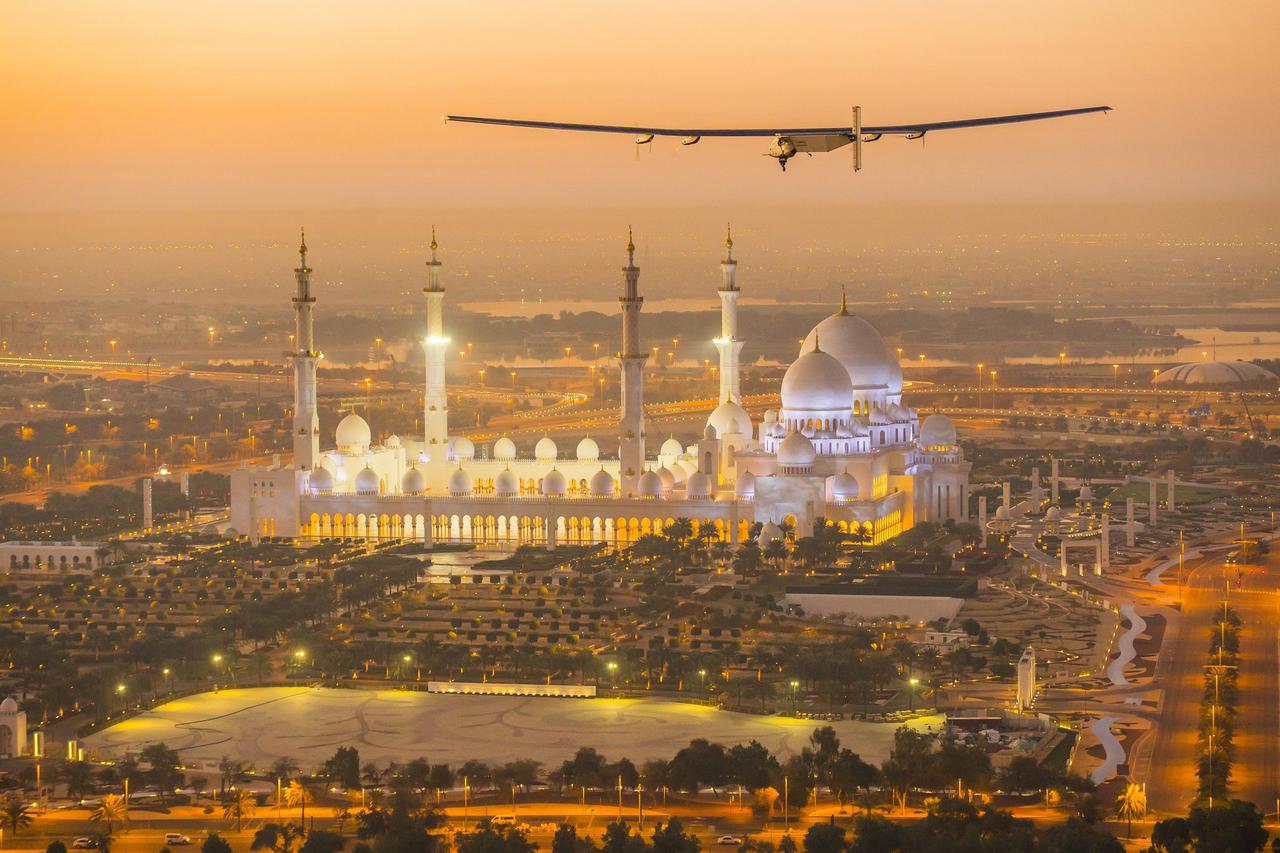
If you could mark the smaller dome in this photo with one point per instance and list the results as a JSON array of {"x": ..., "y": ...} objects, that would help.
[
  {"x": 746, "y": 485},
  {"x": 671, "y": 447},
  {"x": 1053, "y": 514},
  {"x": 506, "y": 484},
  {"x": 367, "y": 481},
  {"x": 683, "y": 470},
  {"x": 1086, "y": 492},
  {"x": 460, "y": 483},
  {"x": 899, "y": 413},
  {"x": 770, "y": 532},
  {"x": 545, "y": 450},
  {"x": 588, "y": 450},
  {"x": 878, "y": 416},
  {"x": 844, "y": 487},
  {"x": 504, "y": 449},
  {"x": 1002, "y": 513},
  {"x": 554, "y": 485},
  {"x": 320, "y": 481},
  {"x": 352, "y": 434},
  {"x": 668, "y": 479},
  {"x": 796, "y": 451},
  {"x": 816, "y": 382},
  {"x": 771, "y": 416},
  {"x": 710, "y": 433},
  {"x": 650, "y": 485},
  {"x": 393, "y": 440},
  {"x": 463, "y": 448},
  {"x": 937, "y": 431},
  {"x": 698, "y": 487},
  {"x": 413, "y": 482},
  {"x": 729, "y": 418},
  {"x": 9, "y": 706},
  {"x": 601, "y": 484}
]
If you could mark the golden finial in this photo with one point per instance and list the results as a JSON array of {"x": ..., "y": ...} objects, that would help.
[
  {"x": 434, "y": 244},
  {"x": 816, "y": 348},
  {"x": 728, "y": 236},
  {"x": 302, "y": 247},
  {"x": 844, "y": 305},
  {"x": 631, "y": 245}
]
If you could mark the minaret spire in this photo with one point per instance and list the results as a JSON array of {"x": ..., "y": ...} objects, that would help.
[
  {"x": 728, "y": 344},
  {"x": 844, "y": 304},
  {"x": 435, "y": 402},
  {"x": 631, "y": 359},
  {"x": 306, "y": 419}
]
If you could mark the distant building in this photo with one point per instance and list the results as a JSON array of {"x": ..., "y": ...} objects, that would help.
[
  {"x": 945, "y": 641},
  {"x": 1026, "y": 679},
  {"x": 72, "y": 556},
  {"x": 1219, "y": 374},
  {"x": 13, "y": 729}
]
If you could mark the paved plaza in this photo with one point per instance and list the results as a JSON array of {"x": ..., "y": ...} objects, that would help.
[{"x": 308, "y": 724}]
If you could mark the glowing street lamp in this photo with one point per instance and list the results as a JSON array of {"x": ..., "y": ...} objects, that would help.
[
  {"x": 911, "y": 692},
  {"x": 794, "y": 686}
]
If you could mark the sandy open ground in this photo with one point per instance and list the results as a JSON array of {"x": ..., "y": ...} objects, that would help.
[{"x": 308, "y": 724}]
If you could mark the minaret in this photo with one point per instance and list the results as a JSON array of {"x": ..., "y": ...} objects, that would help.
[
  {"x": 729, "y": 344},
  {"x": 306, "y": 420},
  {"x": 631, "y": 358},
  {"x": 435, "y": 404}
]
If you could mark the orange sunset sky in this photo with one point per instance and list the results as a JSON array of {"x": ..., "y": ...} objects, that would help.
[{"x": 232, "y": 105}]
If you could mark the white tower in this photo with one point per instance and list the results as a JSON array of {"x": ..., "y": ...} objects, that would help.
[
  {"x": 729, "y": 344},
  {"x": 631, "y": 358},
  {"x": 306, "y": 419},
  {"x": 435, "y": 404}
]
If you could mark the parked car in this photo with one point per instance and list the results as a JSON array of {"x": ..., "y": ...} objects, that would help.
[
  {"x": 84, "y": 842},
  {"x": 730, "y": 840},
  {"x": 176, "y": 839}
]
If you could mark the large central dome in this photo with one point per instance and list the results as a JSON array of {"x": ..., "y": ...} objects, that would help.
[{"x": 858, "y": 346}]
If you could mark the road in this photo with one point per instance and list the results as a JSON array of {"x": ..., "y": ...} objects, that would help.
[{"x": 1171, "y": 780}]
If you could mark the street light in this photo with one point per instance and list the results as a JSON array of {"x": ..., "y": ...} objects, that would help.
[
  {"x": 794, "y": 686},
  {"x": 911, "y": 693}
]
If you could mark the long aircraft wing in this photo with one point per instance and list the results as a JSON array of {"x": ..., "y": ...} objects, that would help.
[{"x": 869, "y": 130}]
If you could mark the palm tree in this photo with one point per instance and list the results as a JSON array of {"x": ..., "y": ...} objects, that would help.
[
  {"x": 298, "y": 794},
  {"x": 111, "y": 809},
  {"x": 14, "y": 814},
  {"x": 1131, "y": 804},
  {"x": 240, "y": 805}
]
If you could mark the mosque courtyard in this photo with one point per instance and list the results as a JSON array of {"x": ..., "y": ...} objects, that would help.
[{"x": 260, "y": 725}]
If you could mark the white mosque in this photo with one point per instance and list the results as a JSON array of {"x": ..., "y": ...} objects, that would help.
[{"x": 843, "y": 446}]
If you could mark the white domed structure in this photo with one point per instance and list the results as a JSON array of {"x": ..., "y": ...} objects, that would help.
[
  {"x": 1053, "y": 514},
  {"x": 588, "y": 450},
  {"x": 684, "y": 469},
  {"x": 857, "y": 345},
  {"x": 844, "y": 487},
  {"x": 545, "y": 450},
  {"x": 554, "y": 484},
  {"x": 698, "y": 487},
  {"x": 504, "y": 449},
  {"x": 367, "y": 481},
  {"x": 413, "y": 482},
  {"x": 937, "y": 432},
  {"x": 352, "y": 435},
  {"x": 1002, "y": 513},
  {"x": 506, "y": 484},
  {"x": 667, "y": 478},
  {"x": 460, "y": 484},
  {"x": 1086, "y": 493},
  {"x": 770, "y": 532},
  {"x": 1217, "y": 374},
  {"x": 393, "y": 440},
  {"x": 602, "y": 484},
  {"x": 650, "y": 485},
  {"x": 816, "y": 382},
  {"x": 729, "y": 418},
  {"x": 320, "y": 481},
  {"x": 746, "y": 485},
  {"x": 671, "y": 447},
  {"x": 463, "y": 448},
  {"x": 796, "y": 454}
]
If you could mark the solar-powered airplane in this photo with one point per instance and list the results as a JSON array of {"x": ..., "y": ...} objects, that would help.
[{"x": 787, "y": 142}]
